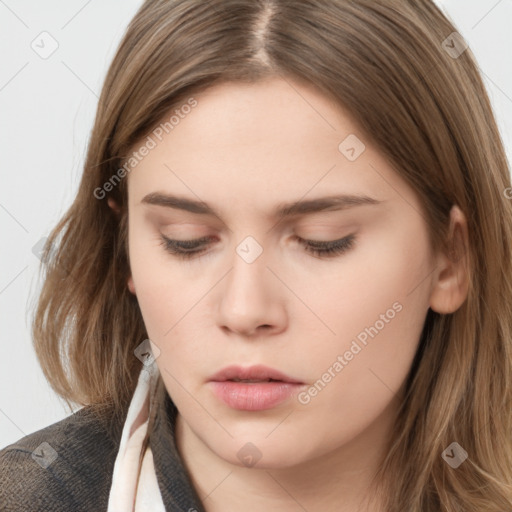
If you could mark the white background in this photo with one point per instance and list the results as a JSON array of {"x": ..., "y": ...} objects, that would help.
[{"x": 47, "y": 108}]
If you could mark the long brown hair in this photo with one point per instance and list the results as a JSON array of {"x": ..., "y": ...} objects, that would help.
[{"x": 424, "y": 107}]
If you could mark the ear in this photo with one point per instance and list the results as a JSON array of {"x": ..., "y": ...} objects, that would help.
[
  {"x": 131, "y": 286},
  {"x": 114, "y": 206},
  {"x": 451, "y": 280}
]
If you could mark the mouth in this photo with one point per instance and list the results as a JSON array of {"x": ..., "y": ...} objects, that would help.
[
  {"x": 254, "y": 381},
  {"x": 252, "y": 374},
  {"x": 255, "y": 388}
]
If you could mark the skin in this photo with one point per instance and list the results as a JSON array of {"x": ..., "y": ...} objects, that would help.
[{"x": 243, "y": 150}]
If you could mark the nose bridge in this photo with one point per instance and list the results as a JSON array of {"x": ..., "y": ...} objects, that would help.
[
  {"x": 247, "y": 277},
  {"x": 247, "y": 300}
]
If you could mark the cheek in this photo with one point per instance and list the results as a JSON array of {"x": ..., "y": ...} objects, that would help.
[
  {"x": 379, "y": 297},
  {"x": 386, "y": 272},
  {"x": 155, "y": 283},
  {"x": 164, "y": 303},
  {"x": 377, "y": 311},
  {"x": 170, "y": 300}
]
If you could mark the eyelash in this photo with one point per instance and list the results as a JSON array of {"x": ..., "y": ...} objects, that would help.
[{"x": 319, "y": 249}]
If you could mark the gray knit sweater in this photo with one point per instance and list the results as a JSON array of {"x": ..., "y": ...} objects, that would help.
[{"x": 72, "y": 472}]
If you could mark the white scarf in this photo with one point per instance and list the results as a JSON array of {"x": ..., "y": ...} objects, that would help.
[{"x": 125, "y": 494}]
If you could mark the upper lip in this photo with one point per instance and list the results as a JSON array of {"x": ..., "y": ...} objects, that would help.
[{"x": 258, "y": 372}]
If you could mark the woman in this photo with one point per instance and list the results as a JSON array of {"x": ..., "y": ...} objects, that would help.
[{"x": 285, "y": 282}]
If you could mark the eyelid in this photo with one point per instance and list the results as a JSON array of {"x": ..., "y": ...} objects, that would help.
[
  {"x": 323, "y": 249},
  {"x": 189, "y": 243}
]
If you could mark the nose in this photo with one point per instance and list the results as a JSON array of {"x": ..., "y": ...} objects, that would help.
[{"x": 251, "y": 302}]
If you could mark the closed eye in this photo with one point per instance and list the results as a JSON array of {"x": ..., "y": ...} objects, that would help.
[
  {"x": 330, "y": 248},
  {"x": 187, "y": 249}
]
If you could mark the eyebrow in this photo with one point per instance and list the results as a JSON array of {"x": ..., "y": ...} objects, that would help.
[{"x": 282, "y": 211}]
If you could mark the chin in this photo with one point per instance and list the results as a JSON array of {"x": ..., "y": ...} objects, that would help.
[{"x": 261, "y": 453}]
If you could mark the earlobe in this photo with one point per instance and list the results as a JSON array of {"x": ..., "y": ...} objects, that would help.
[
  {"x": 451, "y": 279},
  {"x": 131, "y": 286},
  {"x": 113, "y": 206}
]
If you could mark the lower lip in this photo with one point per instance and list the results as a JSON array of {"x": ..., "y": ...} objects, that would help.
[{"x": 254, "y": 396}]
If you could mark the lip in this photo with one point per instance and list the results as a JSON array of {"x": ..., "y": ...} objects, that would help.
[
  {"x": 257, "y": 372},
  {"x": 253, "y": 396}
]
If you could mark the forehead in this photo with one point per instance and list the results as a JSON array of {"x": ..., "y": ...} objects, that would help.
[
  {"x": 274, "y": 112},
  {"x": 260, "y": 144}
]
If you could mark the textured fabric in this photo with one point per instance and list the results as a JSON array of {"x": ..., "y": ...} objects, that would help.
[{"x": 80, "y": 477}]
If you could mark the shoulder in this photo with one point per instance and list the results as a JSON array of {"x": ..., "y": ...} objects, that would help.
[{"x": 65, "y": 466}]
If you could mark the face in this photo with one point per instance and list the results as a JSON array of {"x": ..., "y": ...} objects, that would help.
[{"x": 332, "y": 294}]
